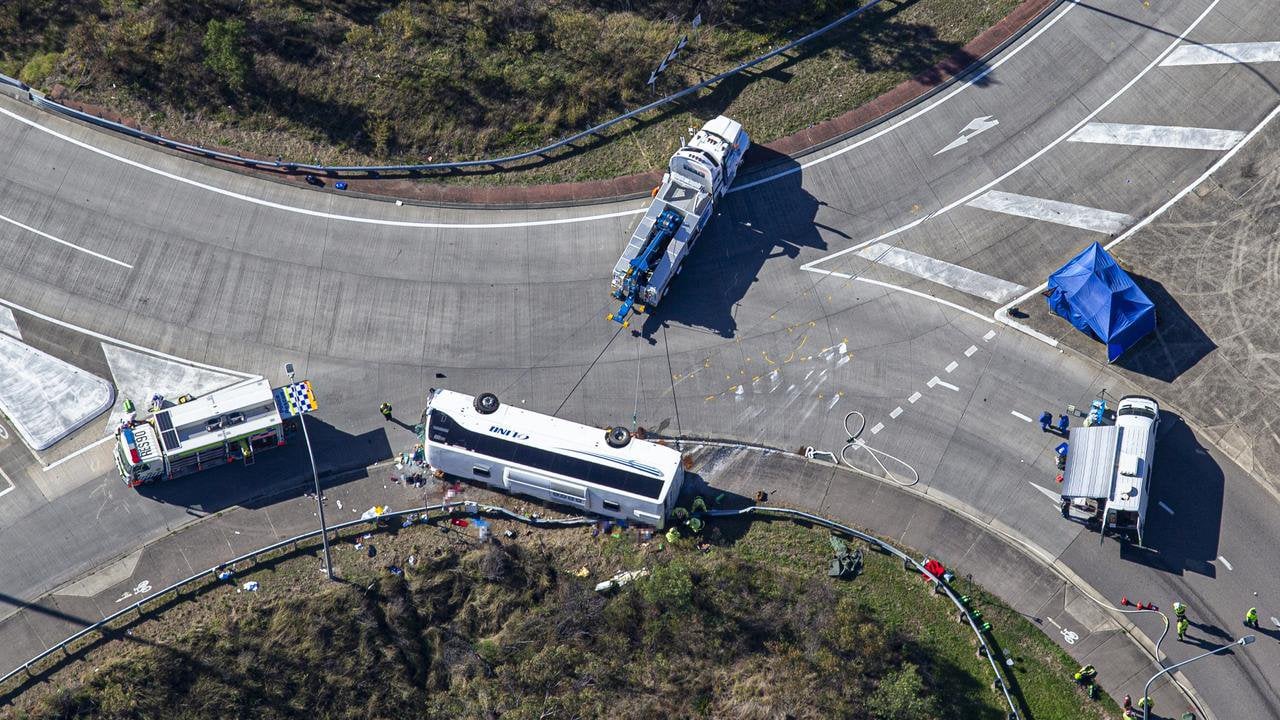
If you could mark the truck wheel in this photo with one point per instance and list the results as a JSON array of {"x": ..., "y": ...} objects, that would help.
[
  {"x": 618, "y": 437},
  {"x": 486, "y": 403}
]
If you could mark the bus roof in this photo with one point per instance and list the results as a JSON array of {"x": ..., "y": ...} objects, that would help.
[{"x": 563, "y": 437}]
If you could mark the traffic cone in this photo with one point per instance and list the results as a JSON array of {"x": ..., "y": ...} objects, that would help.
[{"x": 1124, "y": 602}]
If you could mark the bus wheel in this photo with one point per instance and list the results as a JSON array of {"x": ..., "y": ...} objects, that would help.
[
  {"x": 486, "y": 403},
  {"x": 618, "y": 437}
]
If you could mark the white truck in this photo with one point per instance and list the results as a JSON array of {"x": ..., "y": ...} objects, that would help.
[
  {"x": 698, "y": 174},
  {"x": 1107, "y": 482},
  {"x": 231, "y": 424}
]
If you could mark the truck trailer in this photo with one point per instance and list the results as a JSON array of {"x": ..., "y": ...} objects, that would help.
[
  {"x": 228, "y": 425},
  {"x": 699, "y": 173}
]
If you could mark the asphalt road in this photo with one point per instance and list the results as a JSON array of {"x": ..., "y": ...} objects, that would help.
[{"x": 861, "y": 278}]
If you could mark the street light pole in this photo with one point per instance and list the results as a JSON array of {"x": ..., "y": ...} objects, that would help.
[
  {"x": 315, "y": 476},
  {"x": 1146, "y": 706}
]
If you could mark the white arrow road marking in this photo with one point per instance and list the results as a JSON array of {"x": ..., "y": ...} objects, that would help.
[
  {"x": 1164, "y": 507},
  {"x": 935, "y": 380},
  {"x": 1224, "y": 562},
  {"x": 976, "y": 127}
]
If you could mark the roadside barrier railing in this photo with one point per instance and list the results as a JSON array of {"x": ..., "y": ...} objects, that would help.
[
  {"x": 497, "y": 163},
  {"x": 471, "y": 508}
]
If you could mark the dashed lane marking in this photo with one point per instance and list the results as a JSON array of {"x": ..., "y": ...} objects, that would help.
[
  {"x": 990, "y": 334},
  {"x": 878, "y": 427},
  {"x": 60, "y": 241},
  {"x": 914, "y": 397},
  {"x": 1224, "y": 562},
  {"x": 950, "y": 368},
  {"x": 1053, "y": 211},
  {"x": 895, "y": 412},
  {"x": 1163, "y": 136},
  {"x": 1019, "y": 415},
  {"x": 1224, "y": 53},
  {"x": 937, "y": 381},
  {"x": 972, "y": 349},
  {"x": 1164, "y": 507}
]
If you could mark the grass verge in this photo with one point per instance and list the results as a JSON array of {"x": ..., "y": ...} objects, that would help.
[
  {"x": 364, "y": 82},
  {"x": 747, "y": 626}
]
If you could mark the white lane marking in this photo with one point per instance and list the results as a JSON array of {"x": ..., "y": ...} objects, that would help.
[
  {"x": 976, "y": 127},
  {"x": 1164, "y": 507},
  {"x": 1054, "y": 211},
  {"x": 11, "y": 487},
  {"x": 914, "y": 397},
  {"x": 895, "y": 412},
  {"x": 78, "y": 453},
  {"x": 1053, "y": 496},
  {"x": 1224, "y": 562},
  {"x": 305, "y": 211},
  {"x": 935, "y": 381},
  {"x": 942, "y": 272},
  {"x": 1163, "y": 136},
  {"x": 60, "y": 241},
  {"x": 952, "y": 367},
  {"x": 907, "y": 290},
  {"x": 990, "y": 334},
  {"x": 1019, "y": 415},
  {"x": 1035, "y": 156},
  {"x": 122, "y": 343},
  {"x": 1052, "y": 622},
  {"x": 1009, "y": 55},
  {"x": 972, "y": 349},
  {"x": 1223, "y": 53},
  {"x": 878, "y": 427},
  {"x": 4, "y": 434},
  {"x": 977, "y": 78}
]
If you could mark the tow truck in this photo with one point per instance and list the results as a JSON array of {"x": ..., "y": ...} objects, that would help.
[{"x": 699, "y": 173}]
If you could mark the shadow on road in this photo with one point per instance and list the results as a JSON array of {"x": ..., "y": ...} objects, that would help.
[
  {"x": 1177, "y": 344},
  {"x": 1188, "y": 482},
  {"x": 279, "y": 474},
  {"x": 749, "y": 230}
]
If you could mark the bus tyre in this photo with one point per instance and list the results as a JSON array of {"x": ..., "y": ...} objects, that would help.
[
  {"x": 486, "y": 403},
  {"x": 618, "y": 437}
]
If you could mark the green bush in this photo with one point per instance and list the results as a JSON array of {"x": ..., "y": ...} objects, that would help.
[
  {"x": 39, "y": 68},
  {"x": 901, "y": 695},
  {"x": 224, "y": 54},
  {"x": 669, "y": 586}
]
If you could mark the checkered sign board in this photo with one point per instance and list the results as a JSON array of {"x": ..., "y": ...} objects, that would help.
[{"x": 295, "y": 399}]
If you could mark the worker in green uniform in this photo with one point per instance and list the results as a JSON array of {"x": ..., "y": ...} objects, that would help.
[
  {"x": 1251, "y": 618},
  {"x": 1179, "y": 609},
  {"x": 1086, "y": 674},
  {"x": 1183, "y": 624},
  {"x": 385, "y": 409}
]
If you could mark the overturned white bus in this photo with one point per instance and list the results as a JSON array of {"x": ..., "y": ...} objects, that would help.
[{"x": 603, "y": 472}]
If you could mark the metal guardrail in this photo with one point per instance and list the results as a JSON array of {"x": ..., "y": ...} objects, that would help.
[
  {"x": 498, "y": 163},
  {"x": 466, "y": 507},
  {"x": 14, "y": 82},
  {"x": 473, "y": 508}
]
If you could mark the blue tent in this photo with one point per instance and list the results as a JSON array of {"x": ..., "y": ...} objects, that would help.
[{"x": 1095, "y": 295}]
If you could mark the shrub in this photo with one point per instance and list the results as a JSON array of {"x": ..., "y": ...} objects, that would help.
[
  {"x": 669, "y": 587},
  {"x": 901, "y": 695},
  {"x": 39, "y": 68}
]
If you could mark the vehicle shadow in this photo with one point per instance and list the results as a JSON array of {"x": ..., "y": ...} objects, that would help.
[
  {"x": 1177, "y": 344},
  {"x": 749, "y": 229},
  {"x": 1189, "y": 483},
  {"x": 276, "y": 475}
]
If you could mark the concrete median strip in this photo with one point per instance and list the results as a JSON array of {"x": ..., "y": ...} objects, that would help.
[{"x": 45, "y": 398}]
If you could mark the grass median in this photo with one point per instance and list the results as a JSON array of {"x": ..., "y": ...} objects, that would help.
[
  {"x": 363, "y": 82},
  {"x": 745, "y": 625}
]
